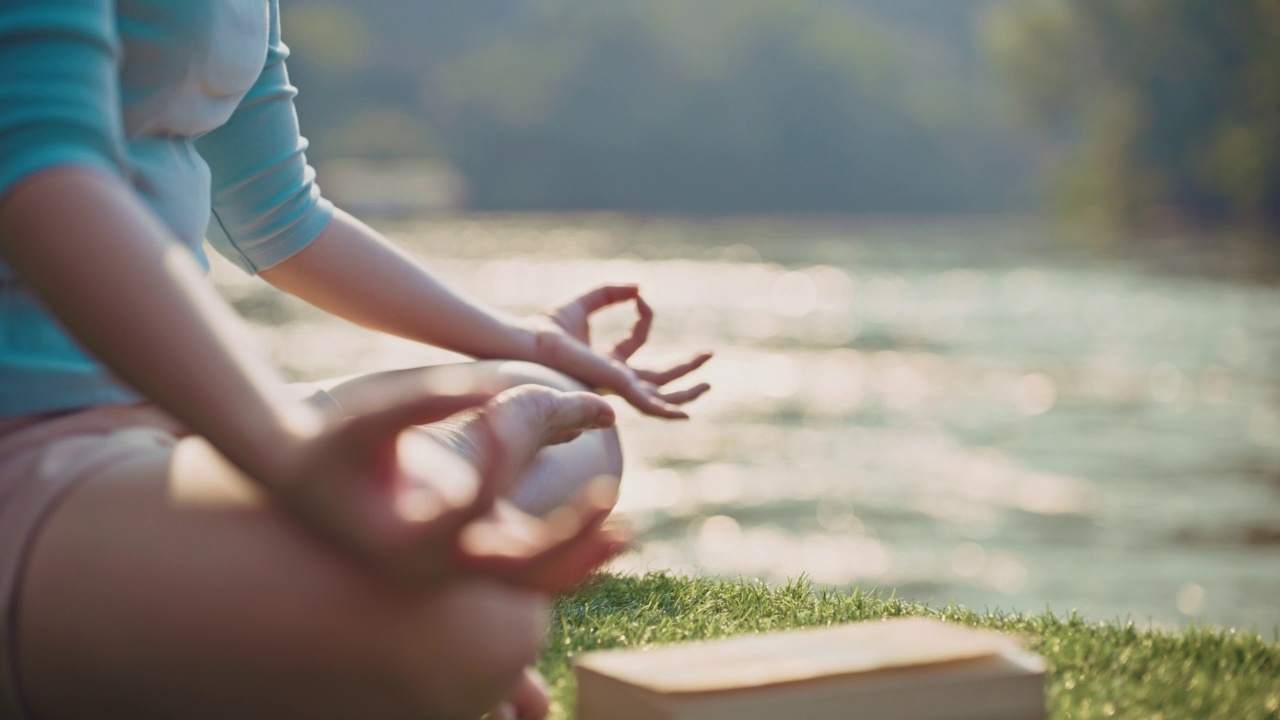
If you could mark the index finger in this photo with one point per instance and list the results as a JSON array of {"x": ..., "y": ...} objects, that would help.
[
  {"x": 639, "y": 332},
  {"x": 606, "y": 295},
  {"x": 553, "y": 553}
]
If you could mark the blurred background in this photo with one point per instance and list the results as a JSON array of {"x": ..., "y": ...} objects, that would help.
[{"x": 993, "y": 283}]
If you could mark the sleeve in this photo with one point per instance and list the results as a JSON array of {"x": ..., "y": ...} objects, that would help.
[
  {"x": 266, "y": 204},
  {"x": 59, "y": 88}
]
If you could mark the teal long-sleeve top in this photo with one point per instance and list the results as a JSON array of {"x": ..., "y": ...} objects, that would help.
[{"x": 189, "y": 102}]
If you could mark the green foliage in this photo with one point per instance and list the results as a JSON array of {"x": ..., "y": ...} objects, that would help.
[
  {"x": 713, "y": 106},
  {"x": 1160, "y": 103},
  {"x": 1109, "y": 670}
]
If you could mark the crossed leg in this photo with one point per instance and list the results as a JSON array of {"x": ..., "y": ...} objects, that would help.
[
  {"x": 557, "y": 472},
  {"x": 163, "y": 587}
]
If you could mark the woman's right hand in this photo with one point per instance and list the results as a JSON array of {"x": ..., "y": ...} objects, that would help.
[{"x": 412, "y": 509}]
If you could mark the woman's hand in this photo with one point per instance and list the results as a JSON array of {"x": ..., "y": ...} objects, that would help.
[
  {"x": 392, "y": 496},
  {"x": 562, "y": 341}
]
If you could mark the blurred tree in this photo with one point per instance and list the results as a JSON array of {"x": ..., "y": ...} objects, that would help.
[
  {"x": 669, "y": 105},
  {"x": 720, "y": 106},
  {"x": 1157, "y": 104}
]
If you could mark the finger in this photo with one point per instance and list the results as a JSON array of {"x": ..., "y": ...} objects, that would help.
[
  {"x": 639, "y": 332},
  {"x": 435, "y": 488},
  {"x": 604, "y": 296},
  {"x": 531, "y": 697},
  {"x": 572, "y": 561},
  {"x": 580, "y": 361},
  {"x": 512, "y": 544},
  {"x": 588, "y": 538},
  {"x": 433, "y": 495},
  {"x": 574, "y": 566},
  {"x": 674, "y": 373},
  {"x": 681, "y": 397},
  {"x": 645, "y": 398},
  {"x": 612, "y": 376}
]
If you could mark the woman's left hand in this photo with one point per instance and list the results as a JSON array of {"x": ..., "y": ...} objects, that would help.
[{"x": 562, "y": 341}]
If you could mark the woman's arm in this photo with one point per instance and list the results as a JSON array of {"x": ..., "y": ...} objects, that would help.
[
  {"x": 269, "y": 218},
  {"x": 106, "y": 267},
  {"x": 350, "y": 270},
  {"x": 83, "y": 242},
  {"x": 137, "y": 300}
]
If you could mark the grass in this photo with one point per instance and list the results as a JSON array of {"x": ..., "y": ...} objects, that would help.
[{"x": 1096, "y": 670}]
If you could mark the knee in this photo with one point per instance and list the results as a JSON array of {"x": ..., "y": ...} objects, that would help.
[{"x": 461, "y": 652}]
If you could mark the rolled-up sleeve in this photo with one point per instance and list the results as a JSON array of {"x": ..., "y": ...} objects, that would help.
[
  {"x": 266, "y": 204},
  {"x": 59, "y": 88}
]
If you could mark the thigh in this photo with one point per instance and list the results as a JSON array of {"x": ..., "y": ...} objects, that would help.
[{"x": 164, "y": 586}]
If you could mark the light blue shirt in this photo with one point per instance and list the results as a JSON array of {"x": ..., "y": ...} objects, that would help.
[{"x": 190, "y": 102}]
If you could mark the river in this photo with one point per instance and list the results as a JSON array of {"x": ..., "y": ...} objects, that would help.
[{"x": 995, "y": 413}]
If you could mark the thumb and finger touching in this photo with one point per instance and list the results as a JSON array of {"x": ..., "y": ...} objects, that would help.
[
  {"x": 550, "y": 554},
  {"x": 639, "y": 334},
  {"x": 641, "y": 388},
  {"x": 440, "y": 490}
]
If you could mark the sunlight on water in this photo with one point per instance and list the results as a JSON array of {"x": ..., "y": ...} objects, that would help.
[{"x": 953, "y": 418}]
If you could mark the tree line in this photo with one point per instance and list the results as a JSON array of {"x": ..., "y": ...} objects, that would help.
[{"x": 857, "y": 106}]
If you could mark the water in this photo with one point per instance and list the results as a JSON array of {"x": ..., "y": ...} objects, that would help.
[{"x": 994, "y": 414}]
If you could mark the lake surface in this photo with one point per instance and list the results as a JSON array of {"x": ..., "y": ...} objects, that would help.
[{"x": 998, "y": 414}]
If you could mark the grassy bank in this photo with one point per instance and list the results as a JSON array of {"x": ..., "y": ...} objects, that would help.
[{"x": 1110, "y": 670}]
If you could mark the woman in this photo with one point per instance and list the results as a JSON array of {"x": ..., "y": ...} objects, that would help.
[{"x": 182, "y": 534}]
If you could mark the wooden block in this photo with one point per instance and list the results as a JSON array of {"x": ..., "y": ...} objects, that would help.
[{"x": 906, "y": 669}]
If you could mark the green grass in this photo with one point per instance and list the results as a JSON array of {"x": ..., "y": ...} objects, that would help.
[{"x": 1107, "y": 670}]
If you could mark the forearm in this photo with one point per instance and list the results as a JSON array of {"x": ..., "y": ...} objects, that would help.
[
  {"x": 105, "y": 266},
  {"x": 352, "y": 271}
]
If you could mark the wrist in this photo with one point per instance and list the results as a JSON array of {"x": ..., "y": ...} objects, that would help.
[
  {"x": 519, "y": 339},
  {"x": 276, "y": 444}
]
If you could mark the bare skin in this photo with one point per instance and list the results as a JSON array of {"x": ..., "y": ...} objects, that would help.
[
  {"x": 336, "y": 567},
  {"x": 321, "y": 638}
]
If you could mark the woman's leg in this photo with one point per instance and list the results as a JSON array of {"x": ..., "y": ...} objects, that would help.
[
  {"x": 162, "y": 587},
  {"x": 557, "y": 472}
]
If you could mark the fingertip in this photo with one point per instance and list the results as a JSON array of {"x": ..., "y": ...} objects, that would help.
[
  {"x": 670, "y": 411},
  {"x": 607, "y": 417},
  {"x": 417, "y": 505}
]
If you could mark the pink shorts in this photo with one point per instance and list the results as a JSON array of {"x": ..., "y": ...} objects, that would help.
[{"x": 41, "y": 461}]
